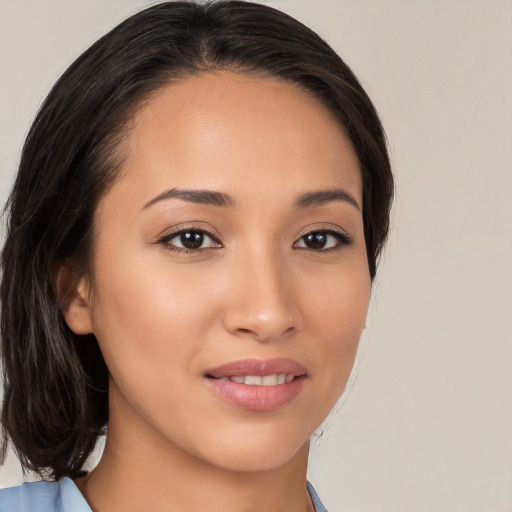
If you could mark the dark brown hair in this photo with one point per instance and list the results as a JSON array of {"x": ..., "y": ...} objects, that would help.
[{"x": 55, "y": 400}]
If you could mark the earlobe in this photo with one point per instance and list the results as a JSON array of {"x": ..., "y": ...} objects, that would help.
[{"x": 74, "y": 299}]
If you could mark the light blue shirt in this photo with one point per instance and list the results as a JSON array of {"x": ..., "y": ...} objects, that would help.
[
  {"x": 64, "y": 496},
  {"x": 319, "y": 506},
  {"x": 61, "y": 496}
]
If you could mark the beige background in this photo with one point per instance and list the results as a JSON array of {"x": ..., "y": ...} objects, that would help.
[{"x": 427, "y": 423}]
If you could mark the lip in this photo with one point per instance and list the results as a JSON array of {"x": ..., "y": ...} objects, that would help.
[
  {"x": 257, "y": 398},
  {"x": 257, "y": 367}
]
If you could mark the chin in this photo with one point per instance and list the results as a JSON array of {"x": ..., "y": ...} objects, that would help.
[
  {"x": 259, "y": 461},
  {"x": 256, "y": 451}
]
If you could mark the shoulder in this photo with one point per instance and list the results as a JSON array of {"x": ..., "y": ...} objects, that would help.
[
  {"x": 319, "y": 506},
  {"x": 43, "y": 497}
]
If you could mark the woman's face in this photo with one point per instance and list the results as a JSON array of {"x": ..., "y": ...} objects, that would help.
[{"x": 229, "y": 257}]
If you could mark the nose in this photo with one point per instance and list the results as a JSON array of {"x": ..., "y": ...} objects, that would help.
[{"x": 261, "y": 302}]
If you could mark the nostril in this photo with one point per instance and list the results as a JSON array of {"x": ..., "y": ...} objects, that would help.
[{"x": 259, "y": 321}]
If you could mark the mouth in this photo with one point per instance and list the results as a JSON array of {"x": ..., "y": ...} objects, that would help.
[
  {"x": 257, "y": 380},
  {"x": 257, "y": 385}
]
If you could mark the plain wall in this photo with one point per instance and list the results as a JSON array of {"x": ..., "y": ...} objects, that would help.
[{"x": 426, "y": 424}]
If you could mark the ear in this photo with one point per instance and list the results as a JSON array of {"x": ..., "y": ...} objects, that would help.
[{"x": 73, "y": 297}]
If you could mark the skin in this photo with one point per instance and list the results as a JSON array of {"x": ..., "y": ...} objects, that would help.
[{"x": 254, "y": 290}]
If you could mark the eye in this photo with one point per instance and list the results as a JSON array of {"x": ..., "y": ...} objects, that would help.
[
  {"x": 323, "y": 240},
  {"x": 190, "y": 240}
]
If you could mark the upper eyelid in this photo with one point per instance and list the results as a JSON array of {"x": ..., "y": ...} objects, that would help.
[
  {"x": 216, "y": 243},
  {"x": 322, "y": 226},
  {"x": 186, "y": 227}
]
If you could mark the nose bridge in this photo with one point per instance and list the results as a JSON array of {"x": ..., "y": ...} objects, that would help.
[{"x": 261, "y": 303}]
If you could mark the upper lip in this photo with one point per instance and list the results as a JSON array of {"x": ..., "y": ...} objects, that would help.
[{"x": 259, "y": 367}]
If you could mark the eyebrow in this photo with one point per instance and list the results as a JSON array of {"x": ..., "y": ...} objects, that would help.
[
  {"x": 210, "y": 197},
  {"x": 322, "y": 197},
  {"x": 194, "y": 196}
]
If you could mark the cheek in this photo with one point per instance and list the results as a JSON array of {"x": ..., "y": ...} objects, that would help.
[
  {"x": 338, "y": 299},
  {"x": 147, "y": 316},
  {"x": 340, "y": 314}
]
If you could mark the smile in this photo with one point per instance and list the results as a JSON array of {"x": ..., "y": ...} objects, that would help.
[
  {"x": 257, "y": 380},
  {"x": 257, "y": 385}
]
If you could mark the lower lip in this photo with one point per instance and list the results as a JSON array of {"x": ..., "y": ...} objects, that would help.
[{"x": 257, "y": 398}]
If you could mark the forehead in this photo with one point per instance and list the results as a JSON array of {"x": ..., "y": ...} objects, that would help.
[{"x": 219, "y": 130}]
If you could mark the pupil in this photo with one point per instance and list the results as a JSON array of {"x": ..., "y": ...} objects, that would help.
[
  {"x": 316, "y": 240},
  {"x": 192, "y": 239}
]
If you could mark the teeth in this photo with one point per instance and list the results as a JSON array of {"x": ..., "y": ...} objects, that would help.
[
  {"x": 252, "y": 380},
  {"x": 269, "y": 380},
  {"x": 256, "y": 380}
]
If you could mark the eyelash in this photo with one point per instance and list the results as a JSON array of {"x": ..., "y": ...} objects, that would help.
[
  {"x": 166, "y": 240},
  {"x": 342, "y": 240}
]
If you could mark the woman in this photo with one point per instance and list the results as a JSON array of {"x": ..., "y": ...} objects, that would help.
[{"x": 192, "y": 235}]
